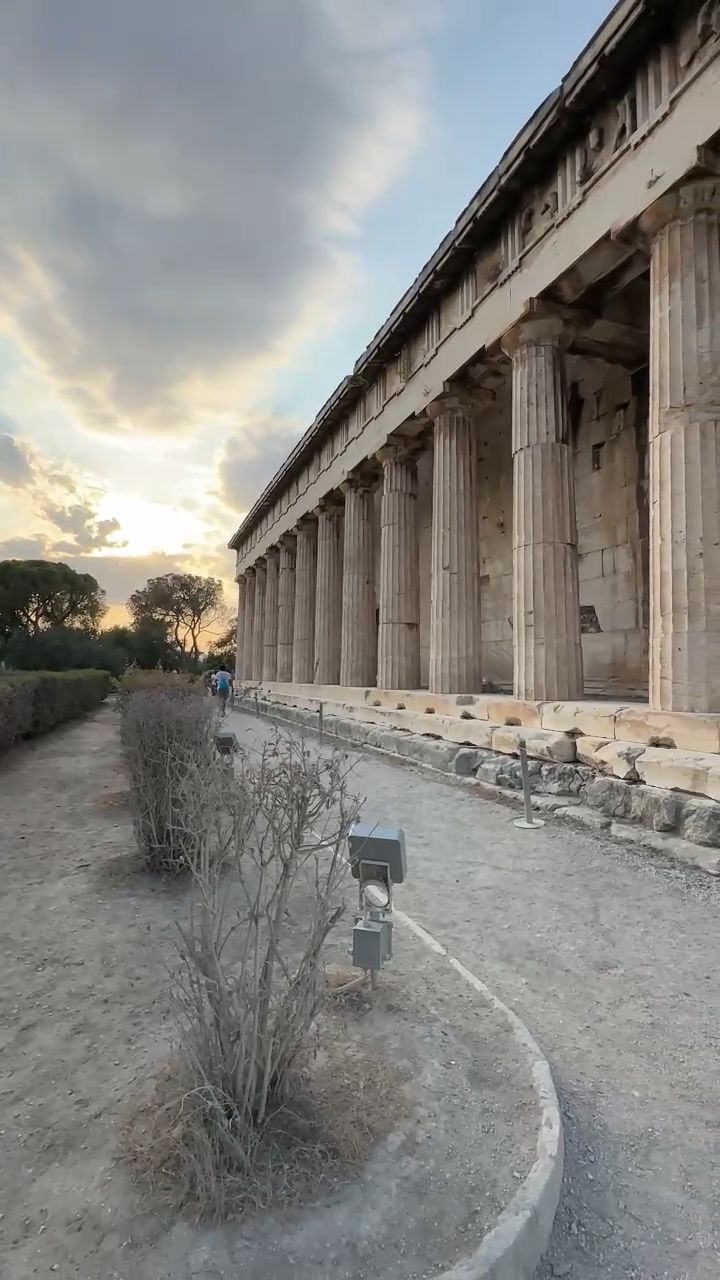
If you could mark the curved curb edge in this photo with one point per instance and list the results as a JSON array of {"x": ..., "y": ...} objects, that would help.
[
  {"x": 512, "y": 1249},
  {"x": 517, "y": 1242}
]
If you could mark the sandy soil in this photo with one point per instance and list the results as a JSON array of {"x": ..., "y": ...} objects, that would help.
[{"x": 85, "y": 1025}]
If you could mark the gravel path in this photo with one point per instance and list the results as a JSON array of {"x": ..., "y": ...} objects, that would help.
[{"x": 611, "y": 958}]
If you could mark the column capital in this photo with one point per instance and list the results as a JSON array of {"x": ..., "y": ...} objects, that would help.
[
  {"x": 272, "y": 553},
  {"x": 249, "y": 572},
  {"x": 331, "y": 505},
  {"x": 543, "y": 324},
  {"x": 306, "y": 522},
  {"x": 468, "y": 400},
  {"x": 399, "y": 450},
  {"x": 700, "y": 195},
  {"x": 287, "y": 540},
  {"x": 359, "y": 482}
]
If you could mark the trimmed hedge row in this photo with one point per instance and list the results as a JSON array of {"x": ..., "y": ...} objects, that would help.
[{"x": 32, "y": 702}]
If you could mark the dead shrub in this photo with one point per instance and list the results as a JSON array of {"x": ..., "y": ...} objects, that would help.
[
  {"x": 167, "y": 739},
  {"x": 238, "y": 1122}
]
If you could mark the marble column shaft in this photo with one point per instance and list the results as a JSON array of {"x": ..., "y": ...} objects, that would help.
[
  {"x": 328, "y": 593},
  {"x": 455, "y": 627},
  {"x": 259, "y": 623},
  {"x": 248, "y": 626},
  {"x": 305, "y": 583},
  {"x": 546, "y": 607},
  {"x": 684, "y": 448},
  {"x": 240, "y": 630},
  {"x": 269, "y": 669},
  {"x": 286, "y": 608},
  {"x": 399, "y": 629},
  {"x": 358, "y": 662}
]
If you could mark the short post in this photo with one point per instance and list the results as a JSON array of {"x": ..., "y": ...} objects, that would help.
[
  {"x": 529, "y": 821},
  {"x": 320, "y": 720},
  {"x": 257, "y": 705}
]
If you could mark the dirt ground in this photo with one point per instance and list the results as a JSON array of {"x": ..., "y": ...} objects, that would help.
[
  {"x": 86, "y": 1023},
  {"x": 609, "y": 954}
]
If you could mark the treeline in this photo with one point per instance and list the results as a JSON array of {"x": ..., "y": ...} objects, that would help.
[{"x": 51, "y": 616}]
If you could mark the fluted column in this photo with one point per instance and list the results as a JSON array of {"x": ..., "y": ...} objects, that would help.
[
  {"x": 240, "y": 630},
  {"x": 455, "y": 628},
  {"x": 684, "y": 448},
  {"x": 328, "y": 595},
  {"x": 399, "y": 629},
  {"x": 286, "y": 608},
  {"x": 358, "y": 649},
  {"x": 305, "y": 582},
  {"x": 269, "y": 669},
  {"x": 546, "y": 609},
  {"x": 247, "y": 664},
  {"x": 259, "y": 623}
]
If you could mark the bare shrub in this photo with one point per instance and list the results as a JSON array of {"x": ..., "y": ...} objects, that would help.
[
  {"x": 235, "y": 1123},
  {"x": 168, "y": 744}
]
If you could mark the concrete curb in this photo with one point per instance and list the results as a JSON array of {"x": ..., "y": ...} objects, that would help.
[{"x": 519, "y": 1239}]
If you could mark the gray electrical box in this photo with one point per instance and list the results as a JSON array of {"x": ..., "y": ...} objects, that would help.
[
  {"x": 372, "y": 943},
  {"x": 385, "y": 846},
  {"x": 226, "y": 742}
]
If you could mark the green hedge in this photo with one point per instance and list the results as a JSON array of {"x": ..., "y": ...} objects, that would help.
[{"x": 34, "y": 701}]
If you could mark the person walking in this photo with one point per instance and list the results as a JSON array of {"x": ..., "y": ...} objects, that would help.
[{"x": 223, "y": 683}]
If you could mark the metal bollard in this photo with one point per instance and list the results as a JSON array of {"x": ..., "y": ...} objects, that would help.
[
  {"x": 257, "y": 705},
  {"x": 529, "y": 821},
  {"x": 320, "y": 720}
]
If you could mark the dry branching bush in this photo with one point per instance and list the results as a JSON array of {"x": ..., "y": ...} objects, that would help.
[
  {"x": 168, "y": 744},
  {"x": 239, "y": 1120}
]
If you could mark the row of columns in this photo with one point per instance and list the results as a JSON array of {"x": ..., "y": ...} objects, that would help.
[{"x": 308, "y": 612}]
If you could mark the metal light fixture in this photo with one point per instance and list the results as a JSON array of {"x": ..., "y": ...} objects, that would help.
[{"x": 377, "y": 861}]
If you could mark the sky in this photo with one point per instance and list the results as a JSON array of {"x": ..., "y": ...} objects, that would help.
[{"x": 207, "y": 211}]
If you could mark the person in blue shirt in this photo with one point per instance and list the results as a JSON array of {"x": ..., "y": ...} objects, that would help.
[{"x": 223, "y": 685}]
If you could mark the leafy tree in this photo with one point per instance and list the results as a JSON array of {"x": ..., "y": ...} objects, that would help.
[
  {"x": 38, "y": 594},
  {"x": 222, "y": 651},
  {"x": 185, "y": 602},
  {"x": 62, "y": 649},
  {"x": 147, "y": 645}
]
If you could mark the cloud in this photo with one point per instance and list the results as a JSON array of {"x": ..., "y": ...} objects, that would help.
[
  {"x": 251, "y": 458},
  {"x": 182, "y": 185},
  {"x": 81, "y": 522},
  {"x": 15, "y": 470}
]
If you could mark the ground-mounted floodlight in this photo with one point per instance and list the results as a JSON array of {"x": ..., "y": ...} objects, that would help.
[
  {"x": 377, "y": 861},
  {"x": 226, "y": 744}
]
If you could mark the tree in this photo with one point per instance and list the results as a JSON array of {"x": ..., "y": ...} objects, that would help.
[
  {"x": 147, "y": 644},
  {"x": 38, "y": 594},
  {"x": 222, "y": 651},
  {"x": 185, "y": 602},
  {"x": 62, "y": 649}
]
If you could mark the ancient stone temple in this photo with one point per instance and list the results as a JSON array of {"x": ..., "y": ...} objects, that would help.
[{"x": 512, "y": 501}]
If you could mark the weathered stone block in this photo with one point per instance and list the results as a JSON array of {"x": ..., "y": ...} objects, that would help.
[
  {"x": 594, "y": 718},
  {"x": 466, "y": 762},
  {"x": 539, "y": 744},
  {"x": 564, "y": 779},
  {"x": 619, "y": 758},
  {"x": 676, "y": 770},
  {"x": 701, "y": 822},
  {"x": 681, "y": 730},
  {"x": 505, "y": 710},
  {"x": 655, "y": 808},
  {"x": 610, "y": 795},
  {"x": 586, "y": 746},
  {"x": 439, "y": 755}
]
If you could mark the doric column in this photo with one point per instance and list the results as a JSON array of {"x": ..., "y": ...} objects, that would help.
[
  {"x": 358, "y": 662},
  {"x": 328, "y": 595},
  {"x": 546, "y": 609},
  {"x": 684, "y": 448},
  {"x": 455, "y": 628},
  {"x": 269, "y": 669},
  {"x": 240, "y": 630},
  {"x": 247, "y": 665},
  {"x": 259, "y": 622},
  {"x": 286, "y": 608},
  {"x": 399, "y": 629},
  {"x": 305, "y": 581}
]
